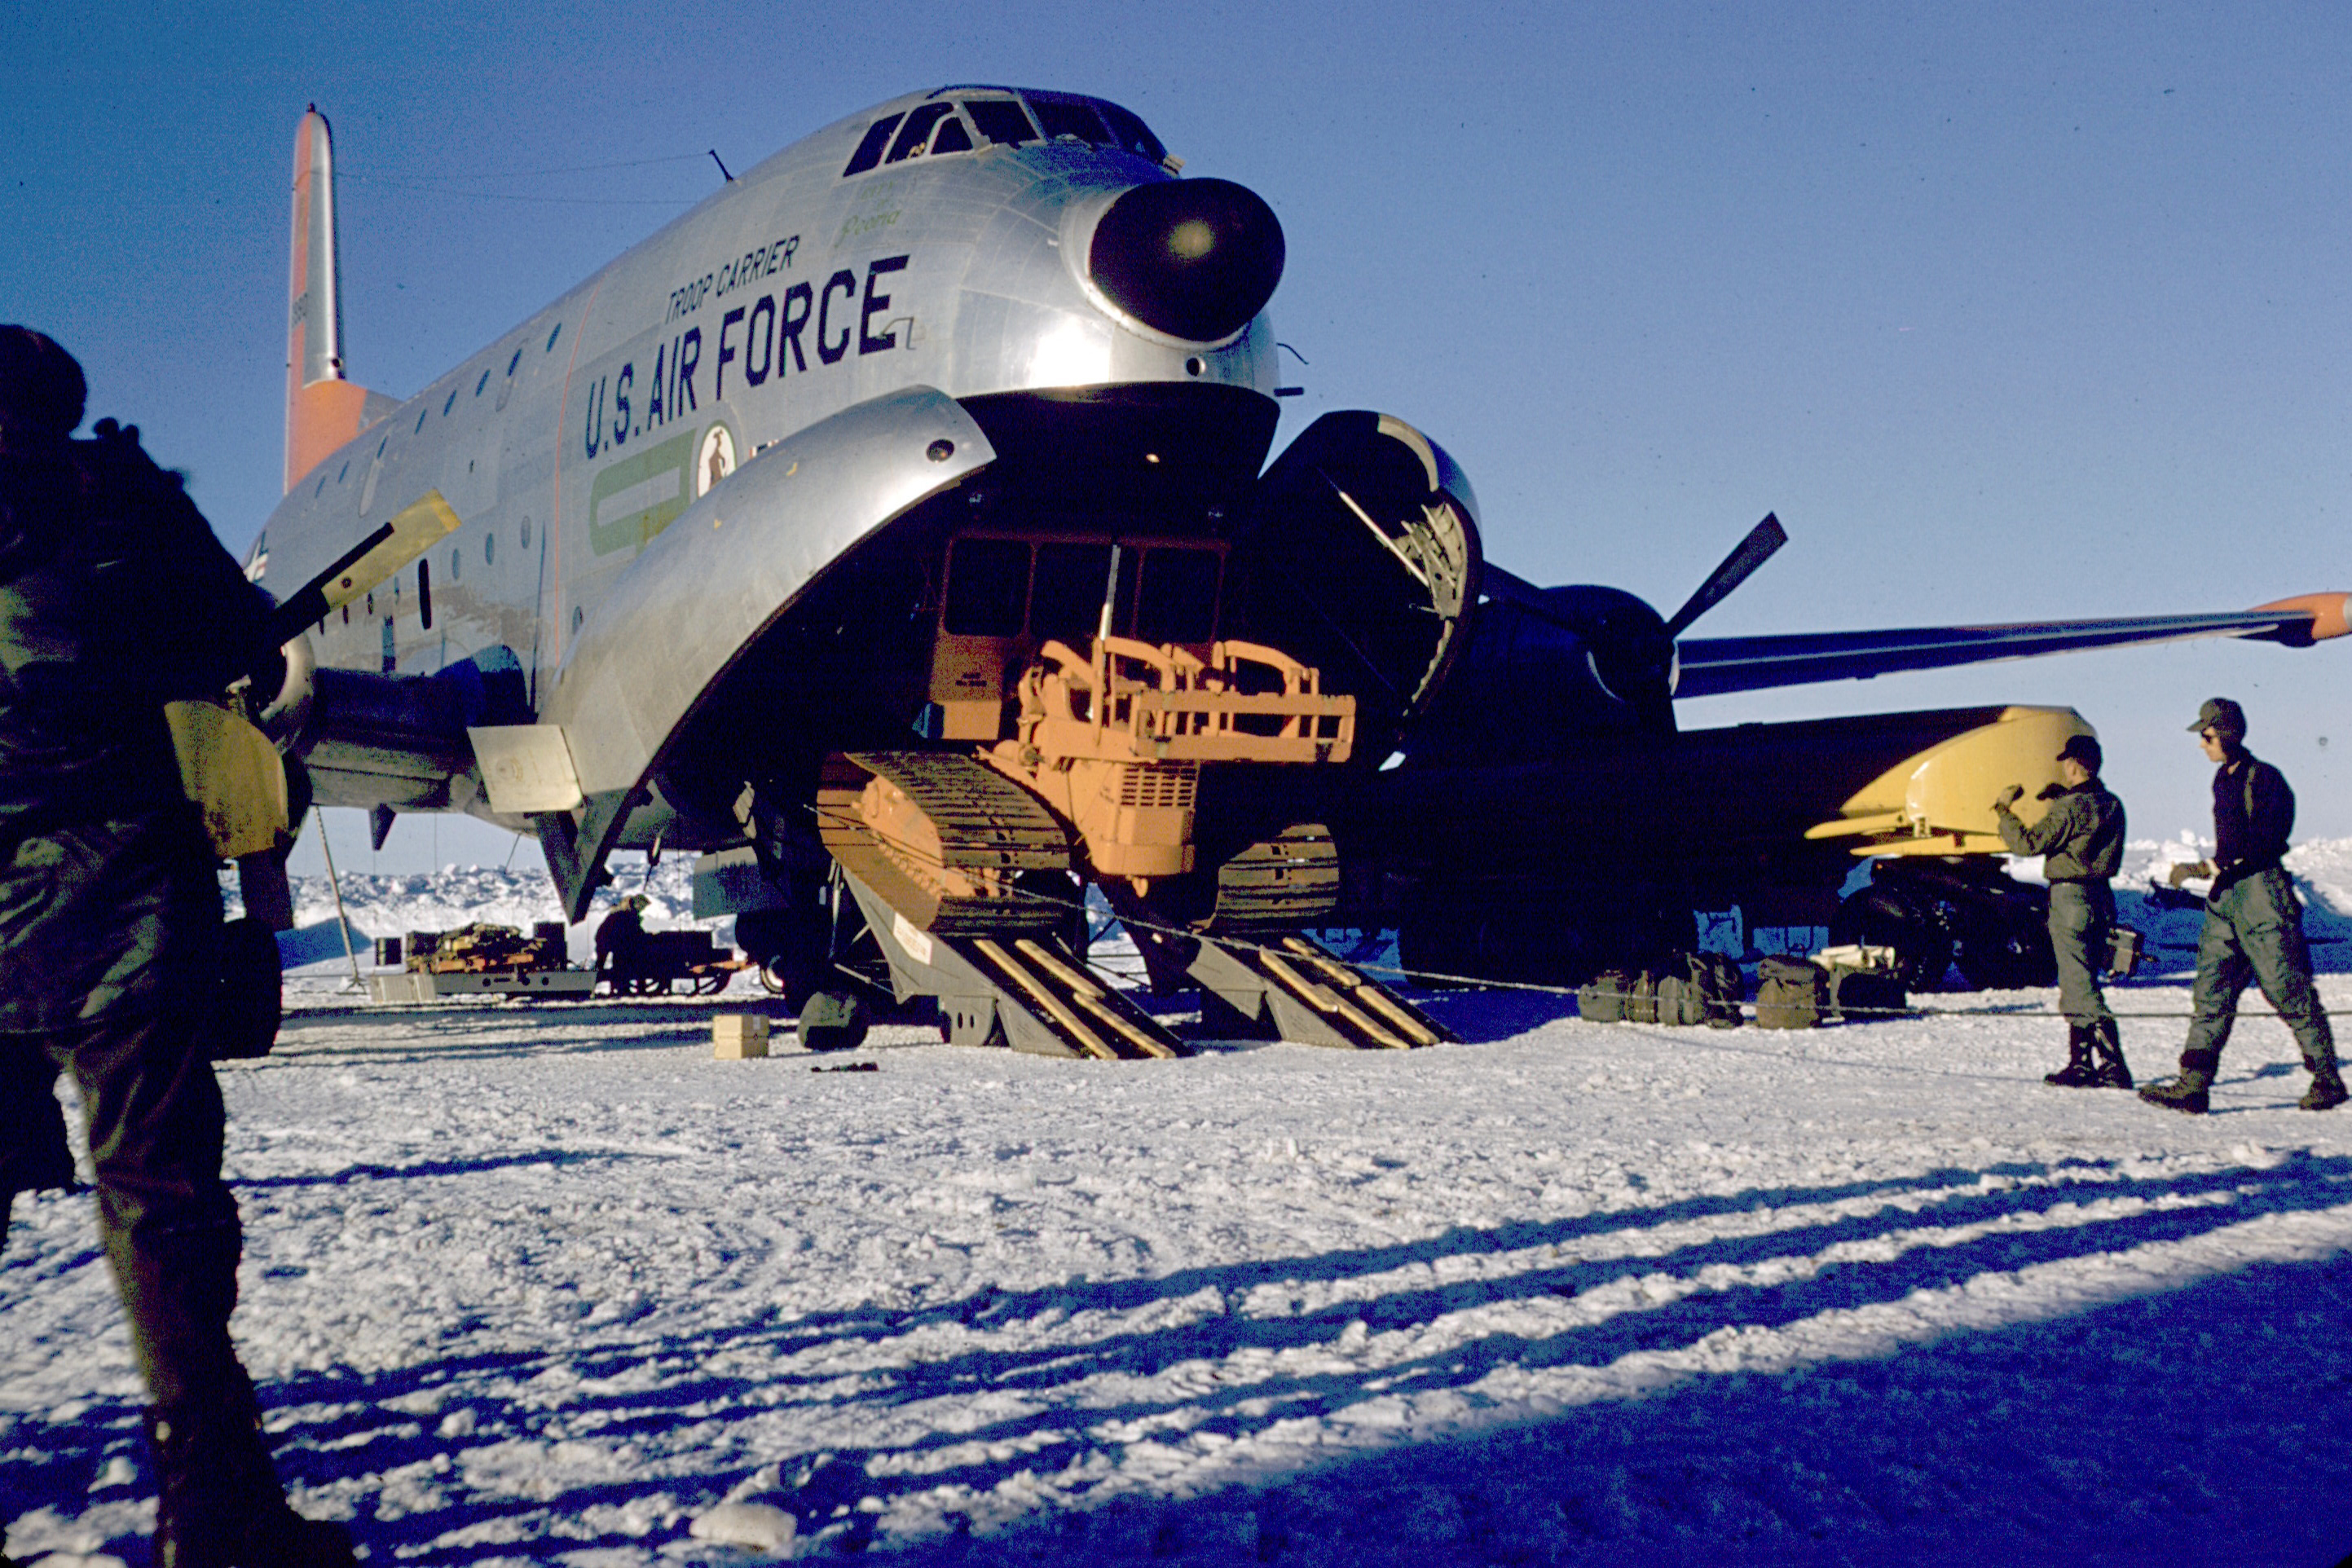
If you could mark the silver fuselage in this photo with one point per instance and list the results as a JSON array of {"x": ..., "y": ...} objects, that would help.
[{"x": 793, "y": 293}]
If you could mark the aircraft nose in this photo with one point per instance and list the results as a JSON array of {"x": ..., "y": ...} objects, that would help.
[{"x": 1194, "y": 259}]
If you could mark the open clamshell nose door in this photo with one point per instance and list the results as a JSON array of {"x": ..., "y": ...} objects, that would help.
[{"x": 1360, "y": 544}]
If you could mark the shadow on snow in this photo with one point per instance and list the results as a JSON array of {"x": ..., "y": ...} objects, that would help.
[{"x": 2189, "y": 1403}]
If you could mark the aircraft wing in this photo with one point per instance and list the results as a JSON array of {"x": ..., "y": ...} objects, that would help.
[{"x": 1711, "y": 667}]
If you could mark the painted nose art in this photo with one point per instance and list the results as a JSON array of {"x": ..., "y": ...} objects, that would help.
[{"x": 1194, "y": 259}]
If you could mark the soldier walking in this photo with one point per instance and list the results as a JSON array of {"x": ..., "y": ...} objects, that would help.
[
  {"x": 2254, "y": 922},
  {"x": 115, "y": 598},
  {"x": 2081, "y": 839}
]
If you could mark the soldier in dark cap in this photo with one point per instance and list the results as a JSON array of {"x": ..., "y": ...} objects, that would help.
[
  {"x": 2254, "y": 922},
  {"x": 115, "y": 598},
  {"x": 2081, "y": 839}
]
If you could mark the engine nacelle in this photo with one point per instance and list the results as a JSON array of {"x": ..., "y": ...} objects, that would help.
[
  {"x": 1577, "y": 661},
  {"x": 389, "y": 739}
]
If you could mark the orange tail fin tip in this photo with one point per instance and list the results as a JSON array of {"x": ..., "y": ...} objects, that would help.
[{"x": 323, "y": 410}]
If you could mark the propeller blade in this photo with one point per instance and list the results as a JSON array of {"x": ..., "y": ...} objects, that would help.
[
  {"x": 1751, "y": 552},
  {"x": 414, "y": 530}
]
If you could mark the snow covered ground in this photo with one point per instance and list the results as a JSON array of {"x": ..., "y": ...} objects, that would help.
[{"x": 529, "y": 1283}]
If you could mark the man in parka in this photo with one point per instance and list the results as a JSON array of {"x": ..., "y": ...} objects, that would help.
[
  {"x": 115, "y": 598},
  {"x": 621, "y": 943},
  {"x": 2253, "y": 923},
  {"x": 2081, "y": 839}
]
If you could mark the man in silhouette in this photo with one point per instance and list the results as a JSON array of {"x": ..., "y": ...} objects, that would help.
[
  {"x": 116, "y": 598},
  {"x": 620, "y": 944}
]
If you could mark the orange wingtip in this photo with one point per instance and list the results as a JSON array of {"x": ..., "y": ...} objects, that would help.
[{"x": 2328, "y": 613}]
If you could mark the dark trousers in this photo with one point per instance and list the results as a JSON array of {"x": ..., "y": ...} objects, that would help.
[
  {"x": 166, "y": 1220},
  {"x": 34, "y": 1151},
  {"x": 2254, "y": 931},
  {"x": 2081, "y": 924}
]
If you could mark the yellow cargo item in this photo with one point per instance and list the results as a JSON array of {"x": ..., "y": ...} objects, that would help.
[{"x": 1113, "y": 740}]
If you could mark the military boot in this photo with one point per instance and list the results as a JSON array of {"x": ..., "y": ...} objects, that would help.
[
  {"x": 2327, "y": 1091},
  {"x": 2107, "y": 1044},
  {"x": 219, "y": 1504},
  {"x": 2188, "y": 1092},
  {"x": 2078, "y": 1072}
]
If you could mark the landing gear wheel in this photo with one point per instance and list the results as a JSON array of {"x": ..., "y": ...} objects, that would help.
[
  {"x": 793, "y": 979},
  {"x": 2009, "y": 961},
  {"x": 834, "y": 1021},
  {"x": 1883, "y": 917}
]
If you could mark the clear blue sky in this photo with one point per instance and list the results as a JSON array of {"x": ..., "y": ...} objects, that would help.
[{"x": 2009, "y": 311}]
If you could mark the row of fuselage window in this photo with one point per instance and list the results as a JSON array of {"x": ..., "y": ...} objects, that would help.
[
  {"x": 424, "y": 582},
  {"x": 481, "y": 385}
]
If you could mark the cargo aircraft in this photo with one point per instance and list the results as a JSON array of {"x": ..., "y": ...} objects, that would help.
[{"x": 895, "y": 531}]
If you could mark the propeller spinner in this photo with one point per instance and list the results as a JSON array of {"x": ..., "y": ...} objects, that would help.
[{"x": 1197, "y": 260}]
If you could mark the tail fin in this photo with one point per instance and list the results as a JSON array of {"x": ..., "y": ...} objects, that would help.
[{"x": 322, "y": 409}]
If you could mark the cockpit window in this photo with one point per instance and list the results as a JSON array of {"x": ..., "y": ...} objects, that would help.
[
  {"x": 1070, "y": 117},
  {"x": 869, "y": 152},
  {"x": 896, "y": 138},
  {"x": 1131, "y": 133},
  {"x": 1001, "y": 120},
  {"x": 937, "y": 128},
  {"x": 918, "y": 130}
]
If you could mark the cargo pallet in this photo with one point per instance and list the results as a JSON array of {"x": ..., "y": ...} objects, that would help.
[{"x": 426, "y": 986}]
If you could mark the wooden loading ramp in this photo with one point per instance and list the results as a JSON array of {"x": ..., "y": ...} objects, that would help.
[
  {"x": 1293, "y": 988},
  {"x": 1029, "y": 992}
]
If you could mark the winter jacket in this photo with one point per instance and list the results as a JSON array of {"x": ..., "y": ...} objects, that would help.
[
  {"x": 115, "y": 598},
  {"x": 2080, "y": 837},
  {"x": 2253, "y": 813}
]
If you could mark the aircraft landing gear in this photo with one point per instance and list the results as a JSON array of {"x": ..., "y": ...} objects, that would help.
[
  {"x": 834, "y": 1021},
  {"x": 1896, "y": 917},
  {"x": 1999, "y": 959},
  {"x": 1937, "y": 912}
]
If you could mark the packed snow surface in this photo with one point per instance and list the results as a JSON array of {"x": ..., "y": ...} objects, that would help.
[{"x": 535, "y": 1283}]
